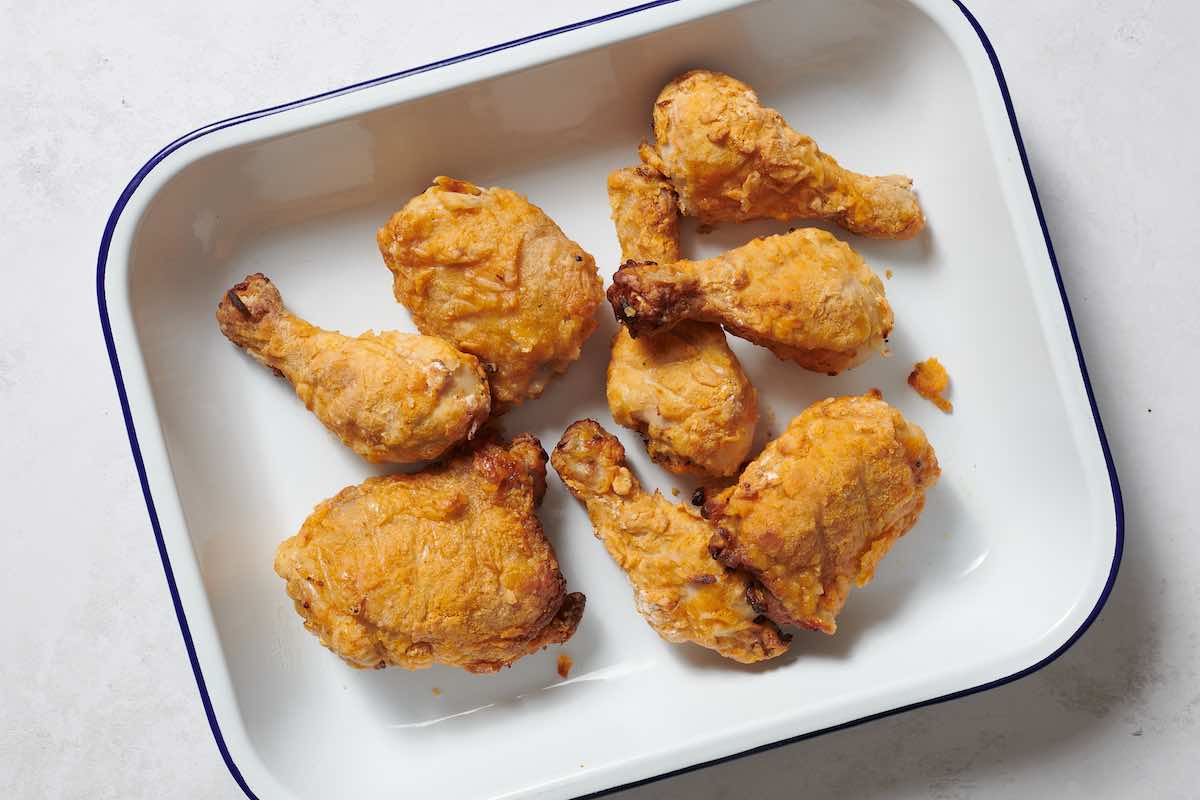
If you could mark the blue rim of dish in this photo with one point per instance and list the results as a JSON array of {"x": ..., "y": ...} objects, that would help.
[{"x": 123, "y": 200}]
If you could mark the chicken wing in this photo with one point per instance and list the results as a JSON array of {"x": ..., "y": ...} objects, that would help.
[
  {"x": 447, "y": 565},
  {"x": 804, "y": 295},
  {"x": 678, "y": 588},
  {"x": 822, "y": 504},
  {"x": 683, "y": 390},
  {"x": 389, "y": 396},
  {"x": 732, "y": 159},
  {"x": 492, "y": 274}
]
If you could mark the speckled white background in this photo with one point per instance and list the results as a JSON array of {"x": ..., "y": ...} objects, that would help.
[{"x": 96, "y": 696}]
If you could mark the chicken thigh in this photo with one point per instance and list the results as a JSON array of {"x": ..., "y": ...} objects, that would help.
[
  {"x": 822, "y": 504},
  {"x": 731, "y": 159},
  {"x": 489, "y": 272},
  {"x": 806, "y": 296},
  {"x": 389, "y": 396},
  {"x": 448, "y": 565},
  {"x": 682, "y": 592}
]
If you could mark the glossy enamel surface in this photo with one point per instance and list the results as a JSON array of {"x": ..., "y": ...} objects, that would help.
[{"x": 1008, "y": 563}]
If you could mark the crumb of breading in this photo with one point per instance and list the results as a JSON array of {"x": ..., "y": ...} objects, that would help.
[
  {"x": 931, "y": 381},
  {"x": 564, "y": 665},
  {"x": 888, "y": 273},
  {"x": 437, "y": 692}
]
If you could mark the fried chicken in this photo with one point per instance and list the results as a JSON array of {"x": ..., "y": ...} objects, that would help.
[
  {"x": 448, "y": 565},
  {"x": 493, "y": 275},
  {"x": 389, "y": 396},
  {"x": 683, "y": 390},
  {"x": 645, "y": 212},
  {"x": 732, "y": 159},
  {"x": 822, "y": 504},
  {"x": 686, "y": 394},
  {"x": 681, "y": 591},
  {"x": 806, "y": 296}
]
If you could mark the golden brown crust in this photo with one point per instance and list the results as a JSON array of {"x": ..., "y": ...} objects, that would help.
[
  {"x": 645, "y": 213},
  {"x": 389, "y": 396},
  {"x": 822, "y": 504},
  {"x": 488, "y": 271},
  {"x": 649, "y": 298},
  {"x": 678, "y": 588},
  {"x": 685, "y": 392},
  {"x": 931, "y": 381},
  {"x": 447, "y": 565},
  {"x": 806, "y": 296},
  {"x": 732, "y": 159}
]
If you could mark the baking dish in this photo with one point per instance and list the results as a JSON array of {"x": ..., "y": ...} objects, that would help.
[{"x": 1012, "y": 560}]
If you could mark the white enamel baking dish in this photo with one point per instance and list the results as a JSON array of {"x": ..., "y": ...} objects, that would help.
[{"x": 1010, "y": 563}]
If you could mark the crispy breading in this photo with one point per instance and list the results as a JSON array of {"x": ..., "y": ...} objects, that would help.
[
  {"x": 731, "y": 159},
  {"x": 390, "y": 396},
  {"x": 492, "y": 274},
  {"x": 931, "y": 381},
  {"x": 682, "y": 592},
  {"x": 447, "y": 565},
  {"x": 805, "y": 295},
  {"x": 822, "y": 504},
  {"x": 683, "y": 390},
  {"x": 645, "y": 213}
]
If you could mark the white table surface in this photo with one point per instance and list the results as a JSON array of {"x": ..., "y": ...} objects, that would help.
[{"x": 96, "y": 696}]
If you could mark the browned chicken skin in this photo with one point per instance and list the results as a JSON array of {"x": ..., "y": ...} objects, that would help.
[
  {"x": 683, "y": 390},
  {"x": 447, "y": 565},
  {"x": 645, "y": 212},
  {"x": 806, "y": 296},
  {"x": 390, "y": 396},
  {"x": 492, "y": 274},
  {"x": 732, "y": 159},
  {"x": 822, "y": 504},
  {"x": 682, "y": 592}
]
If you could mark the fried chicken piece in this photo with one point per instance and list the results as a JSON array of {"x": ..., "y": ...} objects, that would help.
[
  {"x": 732, "y": 159},
  {"x": 448, "y": 565},
  {"x": 806, "y": 296},
  {"x": 678, "y": 588},
  {"x": 489, "y": 272},
  {"x": 822, "y": 504},
  {"x": 931, "y": 381},
  {"x": 646, "y": 214},
  {"x": 389, "y": 396},
  {"x": 683, "y": 390}
]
